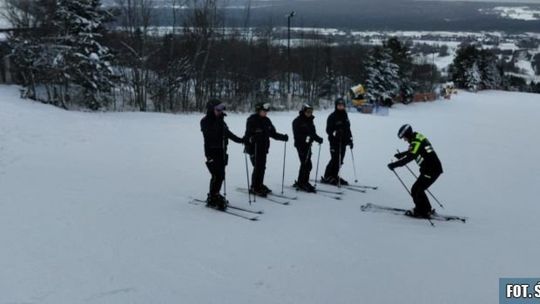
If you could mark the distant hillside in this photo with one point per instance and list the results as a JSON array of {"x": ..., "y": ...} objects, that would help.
[{"x": 379, "y": 15}]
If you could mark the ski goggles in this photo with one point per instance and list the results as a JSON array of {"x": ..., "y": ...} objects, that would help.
[
  {"x": 220, "y": 107},
  {"x": 266, "y": 107}
]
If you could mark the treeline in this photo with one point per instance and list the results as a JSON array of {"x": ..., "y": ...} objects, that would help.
[
  {"x": 67, "y": 54},
  {"x": 476, "y": 69}
]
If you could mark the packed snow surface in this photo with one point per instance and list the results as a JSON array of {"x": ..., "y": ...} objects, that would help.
[{"x": 94, "y": 209}]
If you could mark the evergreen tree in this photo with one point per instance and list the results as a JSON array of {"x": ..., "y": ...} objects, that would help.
[
  {"x": 536, "y": 64},
  {"x": 473, "y": 78},
  {"x": 476, "y": 69},
  {"x": 401, "y": 56},
  {"x": 489, "y": 69},
  {"x": 400, "y": 53},
  {"x": 466, "y": 57},
  {"x": 78, "y": 24},
  {"x": 62, "y": 53},
  {"x": 383, "y": 75},
  {"x": 31, "y": 51}
]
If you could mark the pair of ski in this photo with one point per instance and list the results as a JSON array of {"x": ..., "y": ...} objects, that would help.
[
  {"x": 245, "y": 213},
  {"x": 399, "y": 211}
]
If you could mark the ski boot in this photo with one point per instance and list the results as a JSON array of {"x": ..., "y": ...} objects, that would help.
[
  {"x": 419, "y": 214},
  {"x": 343, "y": 182},
  {"x": 266, "y": 189},
  {"x": 222, "y": 203},
  {"x": 306, "y": 187},
  {"x": 258, "y": 192},
  {"x": 329, "y": 180},
  {"x": 217, "y": 201}
]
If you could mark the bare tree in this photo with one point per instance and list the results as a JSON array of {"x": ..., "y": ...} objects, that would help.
[
  {"x": 135, "y": 19},
  {"x": 200, "y": 28}
]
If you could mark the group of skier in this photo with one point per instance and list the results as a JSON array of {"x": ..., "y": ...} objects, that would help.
[{"x": 256, "y": 140}]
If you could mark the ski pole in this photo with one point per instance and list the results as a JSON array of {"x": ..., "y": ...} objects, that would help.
[
  {"x": 304, "y": 162},
  {"x": 283, "y": 175},
  {"x": 404, "y": 186},
  {"x": 308, "y": 154},
  {"x": 225, "y": 185},
  {"x": 254, "y": 168},
  {"x": 225, "y": 161},
  {"x": 339, "y": 167},
  {"x": 247, "y": 177},
  {"x": 432, "y": 195},
  {"x": 308, "y": 157},
  {"x": 317, "y": 170},
  {"x": 354, "y": 166},
  {"x": 429, "y": 220}
]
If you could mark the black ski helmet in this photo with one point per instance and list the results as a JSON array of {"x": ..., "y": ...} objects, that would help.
[
  {"x": 306, "y": 107},
  {"x": 405, "y": 131},
  {"x": 262, "y": 106},
  {"x": 339, "y": 101},
  {"x": 214, "y": 104}
]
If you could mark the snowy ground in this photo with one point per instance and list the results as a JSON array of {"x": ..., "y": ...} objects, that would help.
[
  {"x": 93, "y": 209},
  {"x": 519, "y": 13}
]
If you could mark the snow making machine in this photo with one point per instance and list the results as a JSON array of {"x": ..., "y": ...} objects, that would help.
[{"x": 359, "y": 100}]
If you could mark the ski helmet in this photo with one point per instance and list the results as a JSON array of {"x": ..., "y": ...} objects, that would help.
[
  {"x": 306, "y": 107},
  {"x": 405, "y": 131},
  {"x": 220, "y": 107},
  {"x": 339, "y": 101},
  {"x": 212, "y": 103},
  {"x": 262, "y": 106},
  {"x": 215, "y": 104}
]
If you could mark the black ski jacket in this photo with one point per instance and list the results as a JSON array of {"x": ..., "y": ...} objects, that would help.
[
  {"x": 216, "y": 135},
  {"x": 259, "y": 130},
  {"x": 338, "y": 128},
  {"x": 304, "y": 131}
]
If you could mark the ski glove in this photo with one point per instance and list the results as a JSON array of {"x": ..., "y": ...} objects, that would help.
[
  {"x": 351, "y": 144},
  {"x": 392, "y": 166},
  {"x": 286, "y": 138},
  {"x": 400, "y": 155},
  {"x": 319, "y": 140}
]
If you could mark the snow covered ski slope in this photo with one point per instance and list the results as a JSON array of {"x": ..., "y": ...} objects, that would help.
[{"x": 94, "y": 208}]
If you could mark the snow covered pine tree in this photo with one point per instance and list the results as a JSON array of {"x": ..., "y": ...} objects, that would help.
[
  {"x": 78, "y": 24},
  {"x": 383, "y": 75}
]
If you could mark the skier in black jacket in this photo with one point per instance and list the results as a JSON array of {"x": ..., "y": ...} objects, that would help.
[
  {"x": 216, "y": 138},
  {"x": 420, "y": 149},
  {"x": 259, "y": 130},
  {"x": 338, "y": 128},
  {"x": 304, "y": 136}
]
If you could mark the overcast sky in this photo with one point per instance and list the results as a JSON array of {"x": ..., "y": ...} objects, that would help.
[{"x": 506, "y": 1}]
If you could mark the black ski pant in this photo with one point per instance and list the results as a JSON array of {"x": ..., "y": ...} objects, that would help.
[
  {"x": 258, "y": 160},
  {"x": 216, "y": 163},
  {"x": 418, "y": 193},
  {"x": 332, "y": 169},
  {"x": 304, "y": 153}
]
